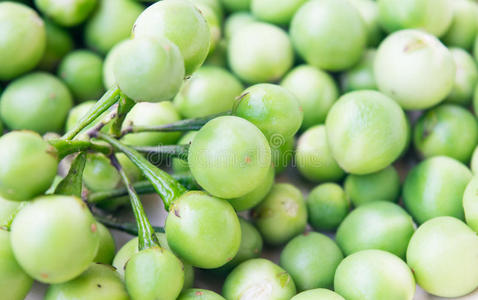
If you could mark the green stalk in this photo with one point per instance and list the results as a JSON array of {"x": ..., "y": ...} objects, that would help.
[
  {"x": 165, "y": 185},
  {"x": 146, "y": 235},
  {"x": 108, "y": 100},
  {"x": 72, "y": 184},
  {"x": 125, "y": 104},
  {"x": 176, "y": 151},
  {"x": 183, "y": 125},
  {"x": 66, "y": 147},
  {"x": 127, "y": 227}
]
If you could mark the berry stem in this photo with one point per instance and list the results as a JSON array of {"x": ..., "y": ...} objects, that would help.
[
  {"x": 177, "y": 151},
  {"x": 127, "y": 227},
  {"x": 66, "y": 147},
  {"x": 72, "y": 184}
]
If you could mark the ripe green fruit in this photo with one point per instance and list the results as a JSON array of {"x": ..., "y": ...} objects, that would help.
[
  {"x": 55, "y": 238},
  {"x": 327, "y": 206},
  {"x": 106, "y": 247},
  {"x": 180, "y": 165},
  {"x": 368, "y": 10},
  {"x": 311, "y": 259},
  {"x": 23, "y": 39},
  {"x": 382, "y": 276},
  {"x": 466, "y": 77},
  {"x": 443, "y": 256},
  {"x": 464, "y": 26},
  {"x": 29, "y": 165},
  {"x": 69, "y": 13},
  {"x": 316, "y": 294},
  {"x": 199, "y": 294},
  {"x": 470, "y": 204},
  {"x": 109, "y": 79},
  {"x": 8, "y": 210},
  {"x": 277, "y": 12},
  {"x": 282, "y": 150},
  {"x": 329, "y": 34},
  {"x": 366, "y": 131},
  {"x": 236, "y": 5},
  {"x": 58, "y": 44},
  {"x": 360, "y": 76},
  {"x": 235, "y": 22},
  {"x": 435, "y": 188}
]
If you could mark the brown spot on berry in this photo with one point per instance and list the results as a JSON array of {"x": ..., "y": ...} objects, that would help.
[
  {"x": 199, "y": 293},
  {"x": 248, "y": 160},
  {"x": 44, "y": 275},
  {"x": 93, "y": 227},
  {"x": 98, "y": 285}
]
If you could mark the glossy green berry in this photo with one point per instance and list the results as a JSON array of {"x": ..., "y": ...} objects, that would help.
[
  {"x": 329, "y": 34},
  {"x": 37, "y": 101},
  {"x": 359, "y": 230},
  {"x": 23, "y": 39},
  {"x": 202, "y": 230},
  {"x": 311, "y": 259},
  {"x": 180, "y": 165},
  {"x": 360, "y": 76},
  {"x": 180, "y": 22},
  {"x": 227, "y": 155},
  {"x": 148, "y": 69},
  {"x": 267, "y": 57},
  {"x": 97, "y": 282},
  {"x": 470, "y": 204},
  {"x": 442, "y": 255},
  {"x": 199, "y": 294},
  {"x": 154, "y": 273},
  {"x": 382, "y": 276},
  {"x": 435, "y": 188},
  {"x": 69, "y": 13},
  {"x": 281, "y": 215},
  {"x": 366, "y": 131},
  {"x": 210, "y": 90},
  {"x": 316, "y": 91},
  {"x": 432, "y": 16},
  {"x": 446, "y": 130},
  {"x": 327, "y": 206},
  {"x": 99, "y": 174},
  {"x": 383, "y": 185},
  {"x": 214, "y": 24},
  {"x": 29, "y": 165},
  {"x": 111, "y": 22},
  {"x": 408, "y": 60},
  {"x": 151, "y": 114},
  {"x": 474, "y": 161},
  {"x": 464, "y": 26},
  {"x": 272, "y": 108},
  {"x": 314, "y": 158},
  {"x": 255, "y": 196},
  {"x": 277, "y": 12},
  {"x": 318, "y": 294},
  {"x": 466, "y": 77},
  {"x": 82, "y": 72},
  {"x": 14, "y": 282},
  {"x": 282, "y": 150},
  {"x": 58, "y": 44},
  {"x": 55, "y": 238},
  {"x": 368, "y": 10},
  {"x": 214, "y": 5},
  {"x": 235, "y": 22},
  {"x": 236, "y": 5},
  {"x": 259, "y": 279},
  {"x": 106, "y": 247},
  {"x": 109, "y": 79}
]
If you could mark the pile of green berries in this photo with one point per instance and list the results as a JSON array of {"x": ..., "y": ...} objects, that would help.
[{"x": 340, "y": 136}]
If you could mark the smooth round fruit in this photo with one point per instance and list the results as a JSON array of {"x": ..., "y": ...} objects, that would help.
[
  {"x": 23, "y": 39},
  {"x": 282, "y": 150},
  {"x": 154, "y": 273},
  {"x": 446, "y": 130},
  {"x": 180, "y": 22},
  {"x": 148, "y": 69},
  {"x": 82, "y": 71},
  {"x": 111, "y": 23},
  {"x": 58, "y": 44},
  {"x": 97, "y": 282},
  {"x": 55, "y": 238},
  {"x": 69, "y": 13},
  {"x": 254, "y": 197},
  {"x": 106, "y": 248},
  {"x": 235, "y": 22},
  {"x": 272, "y": 108},
  {"x": 360, "y": 76},
  {"x": 433, "y": 16},
  {"x": 316, "y": 91},
  {"x": 267, "y": 57},
  {"x": 109, "y": 79},
  {"x": 14, "y": 282},
  {"x": 236, "y": 5},
  {"x": 408, "y": 60},
  {"x": 8, "y": 210},
  {"x": 202, "y": 230},
  {"x": 466, "y": 77},
  {"x": 99, "y": 174},
  {"x": 314, "y": 158},
  {"x": 214, "y": 23},
  {"x": 259, "y": 279},
  {"x": 378, "y": 225},
  {"x": 366, "y": 131},
  {"x": 382, "y": 276},
  {"x": 37, "y": 101},
  {"x": 383, "y": 185},
  {"x": 227, "y": 155},
  {"x": 368, "y": 10},
  {"x": 327, "y": 206},
  {"x": 329, "y": 34},
  {"x": 474, "y": 161},
  {"x": 470, "y": 204},
  {"x": 151, "y": 114},
  {"x": 317, "y": 294},
  {"x": 199, "y": 294},
  {"x": 311, "y": 259},
  {"x": 180, "y": 165},
  {"x": 281, "y": 215},
  {"x": 443, "y": 254},
  {"x": 274, "y": 11},
  {"x": 29, "y": 165},
  {"x": 464, "y": 26},
  {"x": 435, "y": 188},
  {"x": 210, "y": 90},
  {"x": 77, "y": 112}
]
